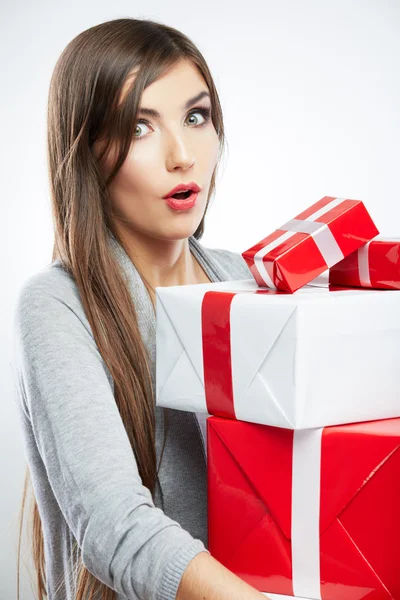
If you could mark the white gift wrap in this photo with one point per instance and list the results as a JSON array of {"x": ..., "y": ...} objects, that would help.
[{"x": 309, "y": 359}]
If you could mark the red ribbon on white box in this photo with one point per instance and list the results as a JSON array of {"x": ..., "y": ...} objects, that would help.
[
  {"x": 306, "y": 492},
  {"x": 323, "y": 237}
]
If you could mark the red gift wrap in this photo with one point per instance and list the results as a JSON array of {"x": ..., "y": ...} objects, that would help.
[
  {"x": 374, "y": 265},
  {"x": 306, "y": 246},
  {"x": 312, "y": 513}
]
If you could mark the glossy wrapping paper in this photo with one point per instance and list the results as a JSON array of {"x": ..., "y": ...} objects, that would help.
[
  {"x": 374, "y": 265},
  {"x": 287, "y": 360},
  {"x": 313, "y": 241},
  {"x": 307, "y": 513}
]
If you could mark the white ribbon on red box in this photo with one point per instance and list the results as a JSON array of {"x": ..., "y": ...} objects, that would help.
[
  {"x": 363, "y": 258},
  {"x": 363, "y": 265},
  {"x": 306, "y": 492},
  {"x": 321, "y": 233}
]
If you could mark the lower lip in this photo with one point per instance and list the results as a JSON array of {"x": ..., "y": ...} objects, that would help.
[{"x": 183, "y": 204}]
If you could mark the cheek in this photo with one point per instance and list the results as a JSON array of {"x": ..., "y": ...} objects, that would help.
[
  {"x": 213, "y": 146},
  {"x": 135, "y": 174}
]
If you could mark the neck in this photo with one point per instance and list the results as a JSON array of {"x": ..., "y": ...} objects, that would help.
[{"x": 161, "y": 262}]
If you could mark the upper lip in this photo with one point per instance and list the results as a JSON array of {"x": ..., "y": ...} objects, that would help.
[{"x": 183, "y": 187}]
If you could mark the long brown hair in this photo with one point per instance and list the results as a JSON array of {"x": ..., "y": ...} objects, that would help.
[{"x": 82, "y": 107}]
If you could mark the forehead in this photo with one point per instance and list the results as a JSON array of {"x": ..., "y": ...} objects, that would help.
[{"x": 180, "y": 81}]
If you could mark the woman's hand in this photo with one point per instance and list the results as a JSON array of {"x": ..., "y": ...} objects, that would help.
[{"x": 207, "y": 579}]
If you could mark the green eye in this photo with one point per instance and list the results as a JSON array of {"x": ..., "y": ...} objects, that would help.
[
  {"x": 137, "y": 127},
  {"x": 198, "y": 113}
]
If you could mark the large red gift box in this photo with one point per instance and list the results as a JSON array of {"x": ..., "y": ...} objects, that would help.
[
  {"x": 306, "y": 246},
  {"x": 312, "y": 513},
  {"x": 374, "y": 265}
]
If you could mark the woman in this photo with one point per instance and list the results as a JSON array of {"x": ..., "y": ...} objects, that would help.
[{"x": 119, "y": 484}]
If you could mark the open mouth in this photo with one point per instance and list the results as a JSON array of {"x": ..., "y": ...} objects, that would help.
[{"x": 182, "y": 195}]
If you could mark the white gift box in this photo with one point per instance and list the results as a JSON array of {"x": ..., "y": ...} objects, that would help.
[{"x": 310, "y": 359}]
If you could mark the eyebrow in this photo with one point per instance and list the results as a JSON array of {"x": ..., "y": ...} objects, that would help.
[{"x": 151, "y": 112}]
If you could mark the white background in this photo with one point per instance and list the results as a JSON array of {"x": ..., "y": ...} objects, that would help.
[{"x": 310, "y": 93}]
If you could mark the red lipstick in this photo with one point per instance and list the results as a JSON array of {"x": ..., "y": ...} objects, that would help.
[{"x": 186, "y": 196}]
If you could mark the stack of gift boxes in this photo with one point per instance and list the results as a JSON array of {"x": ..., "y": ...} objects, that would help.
[{"x": 302, "y": 379}]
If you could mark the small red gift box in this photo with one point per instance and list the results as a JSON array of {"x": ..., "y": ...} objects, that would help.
[
  {"x": 374, "y": 265},
  {"x": 312, "y": 513},
  {"x": 306, "y": 246}
]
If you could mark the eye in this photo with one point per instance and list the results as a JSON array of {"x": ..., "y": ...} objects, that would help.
[
  {"x": 139, "y": 125},
  {"x": 204, "y": 112}
]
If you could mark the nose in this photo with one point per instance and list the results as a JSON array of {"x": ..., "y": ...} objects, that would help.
[{"x": 179, "y": 154}]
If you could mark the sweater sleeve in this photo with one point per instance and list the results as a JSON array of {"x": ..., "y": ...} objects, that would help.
[{"x": 126, "y": 541}]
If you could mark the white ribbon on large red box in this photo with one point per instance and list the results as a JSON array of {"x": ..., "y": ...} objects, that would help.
[
  {"x": 321, "y": 233},
  {"x": 306, "y": 492}
]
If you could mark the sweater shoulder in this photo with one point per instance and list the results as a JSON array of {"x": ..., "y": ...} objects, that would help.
[
  {"x": 232, "y": 262},
  {"x": 46, "y": 294},
  {"x": 50, "y": 279}
]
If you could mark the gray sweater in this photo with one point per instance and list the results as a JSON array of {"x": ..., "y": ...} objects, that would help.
[{"x": 90, "y": 496}]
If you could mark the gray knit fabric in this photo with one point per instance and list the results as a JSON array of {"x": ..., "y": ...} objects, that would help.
[{"x": 90, "y": 496}]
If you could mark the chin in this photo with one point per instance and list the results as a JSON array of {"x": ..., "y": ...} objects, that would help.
[{"x": 180, "y": 231}]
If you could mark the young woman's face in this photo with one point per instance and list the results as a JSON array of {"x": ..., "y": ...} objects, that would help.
[{"x": 180, "y": 146}]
